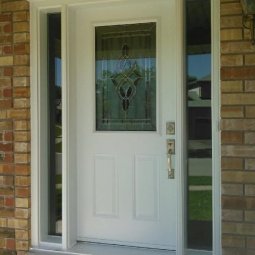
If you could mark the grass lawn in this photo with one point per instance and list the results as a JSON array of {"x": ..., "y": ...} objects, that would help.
[
  {"x": 200, "y": 205},
  {"x": 200, "y": 180}
]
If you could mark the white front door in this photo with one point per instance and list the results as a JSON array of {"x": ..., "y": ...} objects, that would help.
[{"x": 125, "y": 66}]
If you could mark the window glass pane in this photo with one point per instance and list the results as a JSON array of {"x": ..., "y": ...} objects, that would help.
[
  {"x": 126, "y": 77},
  {"x": 198, "y": 45},
  {"x": 55, "y": 124}
]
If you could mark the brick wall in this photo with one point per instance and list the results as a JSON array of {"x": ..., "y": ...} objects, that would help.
[
  {"x": 238, "y": 132},
  {"x": 14, "y": 127}
]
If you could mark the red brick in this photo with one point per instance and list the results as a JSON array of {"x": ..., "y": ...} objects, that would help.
[
  {"x": 5, "y": 125},
  {"x": 231, "y": 60},
  {"x": 8, "y": 71},
  {"x": 21, "y": 125},
  {"x": 9, "y": 202},
  {"x": 232, "y": 111},
  {"x": 5, "y": 17},
  {"x": 5, "y": 82},
  {"x": 6, "y": 169},
  {"x": 233, "y": 34},
  {"x": 10, "y": 244},
  {"x": 238, "y": 228},
  {"x": 21, "y": 71},
  {"x": 20, "y": 81},
  {"x": 6, "y": 147},
  {"x": 20, "y": 27},
  {"x": 22, "y": 191},
  {"x": 6, "y": 191},
  {"x": 8, "y": 136},
  {"x": 6, "y": 180},
  {"x": 23, "y": 158},
  {"x": 237, "y": 73},
  {"x": 8, "y": 158},
  {"x": 5, "y": 104},
  {"x": 12, "y": 6},
  {"x": 22, "y": 169},
  {"x": 237, "y": 47},
  {"x": 6, "y": 60},
  {"x": 233, "y": 189},
  {"x": 22, "y": 213},
  {"x": 21, "y": 48},
  {"x": 21, "y": 234},
  {"x": 21, "y": 59},
  {"x": 4, "y": 39},
  {"x": 21, "y": 92},
  {"x": 238, "y": 124},
  {"x": 7, "y": 92},
  {"x": 22, "y": 136},
  {"x": 230, "y": 9},
  {"x": 22, "y": 180},
  {"x": 18, "y": 114},
  {"x": 22, "y": 147},
  {"x": 233, "y": 241},
  {"x": 7, "y": 28},
  {"x": 21, "y": 37},
  {"x": 231, "y": 137},
  {"x": 22, "y": 245},
  {"x": 232, "y": 215},
  {"x": 7, "y": 212},
  {"x": 237, "y": 151},
  {"x": 243, "y": 177},
  {"x": 7, "y": 50},
  {"x": 20, "y": 16}
]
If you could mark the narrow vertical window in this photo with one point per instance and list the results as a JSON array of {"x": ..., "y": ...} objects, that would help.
[
  {"x": 198, "y": 55},
  {"x": 55, "y": 124}
]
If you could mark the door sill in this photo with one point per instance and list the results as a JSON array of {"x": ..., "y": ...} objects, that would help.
[{"x": 86, "y": 248}]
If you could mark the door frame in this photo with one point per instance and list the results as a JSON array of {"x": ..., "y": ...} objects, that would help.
[{"x": 39, "y": 237}]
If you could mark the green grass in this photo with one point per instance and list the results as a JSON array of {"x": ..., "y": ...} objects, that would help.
[
  {"x": 200, "y": 180},
  {"x": 58, "y": 147},
  {"x": 58, "y": 178},
  {"x": 200, "y": 205},
  {"x": 58, "y": 131}
]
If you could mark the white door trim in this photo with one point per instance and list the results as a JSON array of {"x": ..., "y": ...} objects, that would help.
[
  {"x": 216, "y": 140},
  {"x": 69, "y": 184}
]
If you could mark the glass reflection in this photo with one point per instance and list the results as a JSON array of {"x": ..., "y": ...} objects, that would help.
[
  {"x": 55, "y": 123},
  {"x": 199, "y": 193},
  {"x": 126, "y": 77}
]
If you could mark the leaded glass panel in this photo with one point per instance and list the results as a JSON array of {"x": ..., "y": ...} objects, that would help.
[{"x": 126, "y": 77}]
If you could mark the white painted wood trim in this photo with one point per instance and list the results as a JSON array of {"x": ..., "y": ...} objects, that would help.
[
  {"x": 38, "y": 58},
  {"x": 34, "y": 129},
  {"x": 65, "y": 130},
  {"x": 180, "y": 131},
  {"x": 216, "y": 143}
]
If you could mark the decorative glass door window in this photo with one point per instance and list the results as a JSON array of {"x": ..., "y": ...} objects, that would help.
[{"x": 126, "y": 77}]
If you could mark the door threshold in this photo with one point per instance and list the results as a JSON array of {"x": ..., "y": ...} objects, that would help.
[{"x": 87, "y": 248}]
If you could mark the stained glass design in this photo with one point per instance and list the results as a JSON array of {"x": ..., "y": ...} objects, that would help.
[{"x": 126, "y": 77}]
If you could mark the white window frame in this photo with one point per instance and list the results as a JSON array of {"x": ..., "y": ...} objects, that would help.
[{"x": 39, "y": 236}]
